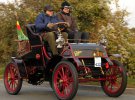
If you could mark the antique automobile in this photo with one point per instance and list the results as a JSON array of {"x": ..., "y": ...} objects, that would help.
[{"x": 76, "y": 63}]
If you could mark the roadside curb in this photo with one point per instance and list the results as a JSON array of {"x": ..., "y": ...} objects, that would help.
[{"x": 98, "y": 88}]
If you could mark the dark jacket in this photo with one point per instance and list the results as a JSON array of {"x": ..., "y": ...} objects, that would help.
[
  {"x": 68, "y": 18},
  {"x": 42, "y": 20}
]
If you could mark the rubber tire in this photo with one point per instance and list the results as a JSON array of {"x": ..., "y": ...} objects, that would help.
[
  {"x": 123, "y": 85},
  {"x": 75, "y": 75},
  {"x": 19, "y": 81}
]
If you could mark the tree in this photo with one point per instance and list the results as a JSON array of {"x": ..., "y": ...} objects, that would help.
[{"x": 93, "y": 16}]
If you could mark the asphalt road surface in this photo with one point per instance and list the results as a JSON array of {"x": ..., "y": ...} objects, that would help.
[{"x": 44, "y": 92}]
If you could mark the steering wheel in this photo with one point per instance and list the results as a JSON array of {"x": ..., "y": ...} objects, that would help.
[{"x": 61, "y": 25}]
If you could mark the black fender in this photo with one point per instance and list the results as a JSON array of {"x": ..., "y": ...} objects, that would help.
[
  {"x": 115, "y": 55},
  {"x": 21, "y": 66},
  {"x": 109, "y": 61},
  {"x": 51, "y": 65}
]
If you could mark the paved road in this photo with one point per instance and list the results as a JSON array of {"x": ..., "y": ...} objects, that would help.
[{"x": 29, "y": 92}]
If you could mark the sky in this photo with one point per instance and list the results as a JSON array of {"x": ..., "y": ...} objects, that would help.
[{"x": 129, "y": 5}]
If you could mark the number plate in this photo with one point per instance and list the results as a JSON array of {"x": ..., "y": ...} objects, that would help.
[{"x": 97, "y": 61}]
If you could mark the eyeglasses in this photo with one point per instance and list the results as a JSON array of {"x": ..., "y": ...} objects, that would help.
[{"x": 67, "y": 7}]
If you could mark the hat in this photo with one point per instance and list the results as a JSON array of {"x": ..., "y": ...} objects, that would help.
[
  {"x": 65, "y": 4},
  {"x": 48, "y": 7}
]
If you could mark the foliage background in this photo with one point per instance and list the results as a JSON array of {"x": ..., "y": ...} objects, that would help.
[{"x": 93, "y": 16}]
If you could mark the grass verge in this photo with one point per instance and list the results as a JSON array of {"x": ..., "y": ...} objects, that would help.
[
  {"x": 1, "y": 72},
  {"x": 131, "y": 83}
]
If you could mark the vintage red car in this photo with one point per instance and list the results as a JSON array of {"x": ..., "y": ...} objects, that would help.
[{"x": 77, "y": 62}]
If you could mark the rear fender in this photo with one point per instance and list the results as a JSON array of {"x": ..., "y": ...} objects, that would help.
[{"x": 19, "y": 63}]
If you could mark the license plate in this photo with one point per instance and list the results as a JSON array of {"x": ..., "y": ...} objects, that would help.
[{"x": 97, "y": 61}]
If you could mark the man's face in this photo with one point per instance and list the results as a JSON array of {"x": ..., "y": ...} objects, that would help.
[
  {"x": 66, "y": 10},
  {"x": 49, "y": 12}
]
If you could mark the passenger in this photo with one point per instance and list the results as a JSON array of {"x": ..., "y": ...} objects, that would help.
[
  {"x": 45, "y": 23},
  {"x": 73, "y": 33}
]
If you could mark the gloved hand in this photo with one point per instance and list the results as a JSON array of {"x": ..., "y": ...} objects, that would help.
[{"x": 50, "y": 25}]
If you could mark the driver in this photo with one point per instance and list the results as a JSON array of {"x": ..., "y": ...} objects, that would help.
[
  {"x": 73, "y": 33},
  {"x": 45, "y": 23}
]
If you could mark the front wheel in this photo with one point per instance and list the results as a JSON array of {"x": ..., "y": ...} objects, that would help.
[
  {"x": 116, "y": 80},
  {"x": 65, "y": 80},
  {"x": 12, "y": 80}
]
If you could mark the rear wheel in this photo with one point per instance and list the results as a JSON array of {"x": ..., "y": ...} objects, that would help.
[
  {"x": 12, "y": 81},
  {"x": 65, "y": 80},
  {"x": 116, "y": 80}
]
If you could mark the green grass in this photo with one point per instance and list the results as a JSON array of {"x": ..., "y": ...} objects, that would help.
[
  {"x": 131, "y": 83},
  {"x": 1, "y": 72}
]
